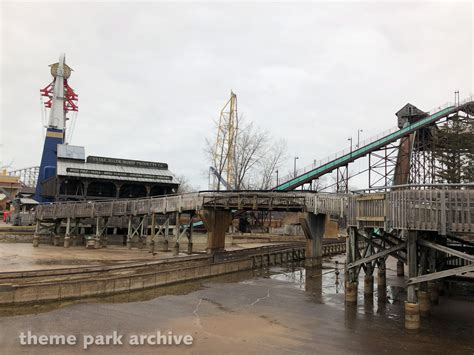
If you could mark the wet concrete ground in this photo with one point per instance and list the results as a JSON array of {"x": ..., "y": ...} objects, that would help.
[
  {"x": 281, "y": 310},
  {"x": 21, "y": 256}
]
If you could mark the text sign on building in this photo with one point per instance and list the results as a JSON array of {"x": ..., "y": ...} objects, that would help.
[
  {"x": 118, "y": 174},
  {"x": 127, "y": 162}
]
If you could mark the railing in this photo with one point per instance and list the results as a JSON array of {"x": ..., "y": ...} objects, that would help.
[
  {"x": 443, "y": 210},
  {"x": 362, "y": 144},
  {"x": 326, "y": 203},
  {"x": 248, "y": 200},
  {"x": 439, "y": 186}
]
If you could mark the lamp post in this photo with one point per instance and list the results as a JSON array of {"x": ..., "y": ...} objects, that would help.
[
  {"x": 359, "y": 131},
  {"x": 350, "y": 139},
  {"x": 294, "y": 166},
  {"x": 278, "y": 182},
  {"x": 456, "y": 98}
]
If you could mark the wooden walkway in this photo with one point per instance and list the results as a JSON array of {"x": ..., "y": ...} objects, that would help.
[
  {"x": 438, "y": 210},
  {"x": 333, "y": 204}
]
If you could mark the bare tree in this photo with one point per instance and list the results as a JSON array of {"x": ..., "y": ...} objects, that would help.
[
  {"x": 251, "y": 144},
  {"x": 269, "y": 164},
  {"x": 184, "y": 185},
  {"x": 319, "y": 183},
  {"x": 256, "y": 157}
]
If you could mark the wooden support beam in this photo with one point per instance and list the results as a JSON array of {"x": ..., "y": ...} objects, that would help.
[
  {"x": 440, "y": 274},
  {"x": 377, "y": 255},
  {"x": 460, "y": 240},
  {"x": 394, "y": 254},
  {"x": 446, "y": 250}
]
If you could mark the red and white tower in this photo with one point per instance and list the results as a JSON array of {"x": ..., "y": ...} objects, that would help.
[
  {"x": 61, "y": 100},
  {"x": 61, "y": 97}
]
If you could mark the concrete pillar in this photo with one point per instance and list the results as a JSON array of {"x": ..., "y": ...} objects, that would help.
[
  {"x": 412, "y": 309},
  {"x": 313, "y": 228},
  {"x": 368, "y": 286},
  {"x": 381, "y": 274},
  {"x": 350, "y": 275},
  {"x": 369, "y": 281},
  {"x": 424, "y": 302},
  {"x": 434, "y": 292},
  {"x": 314, "y": 283},
  {"x": 381, "y": 295},
  {"x": 216, "y": 222},
  {"x": 351, "y": 254},
  {"x": 412, "y": 315},
  {"x": 400, "y": 269},
  {"x": 351, "y": 293}
]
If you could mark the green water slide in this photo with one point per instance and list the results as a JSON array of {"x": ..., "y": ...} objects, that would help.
[{"x": 346, "y": 158}]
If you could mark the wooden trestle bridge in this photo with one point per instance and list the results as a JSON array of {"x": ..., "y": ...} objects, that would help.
[{"x": 421, "y": 226}]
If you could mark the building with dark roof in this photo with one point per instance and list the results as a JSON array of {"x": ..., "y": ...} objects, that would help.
[
  {"x": 409, "y": 114},
  {"x": 76, "y": 177}
]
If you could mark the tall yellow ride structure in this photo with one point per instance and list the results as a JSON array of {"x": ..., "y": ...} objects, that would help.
[{"x": 224, "y": 155}]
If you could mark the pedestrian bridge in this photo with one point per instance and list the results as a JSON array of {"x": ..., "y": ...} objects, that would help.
[{"x": 334, "y": 204}]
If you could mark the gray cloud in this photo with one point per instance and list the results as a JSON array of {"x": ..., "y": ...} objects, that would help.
[{"x": 152, "y": 76}]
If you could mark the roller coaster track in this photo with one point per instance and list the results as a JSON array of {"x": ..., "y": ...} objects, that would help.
[{"x": 339, "y": 160}]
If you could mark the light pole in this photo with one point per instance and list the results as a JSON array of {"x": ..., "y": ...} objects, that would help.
[
  {"x": 278, "y": 182},
  {"x": 294, "y": 166},
  {"x": 359, "y": 131},
  {"x": 350, "y": 139},
  {"x": 456, "y": 98}
]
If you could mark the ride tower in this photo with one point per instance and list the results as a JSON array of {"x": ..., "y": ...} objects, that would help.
[{"x": 61, "y": 100}]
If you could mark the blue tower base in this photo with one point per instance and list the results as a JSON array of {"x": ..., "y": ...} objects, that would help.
[{"x": 48, "y": 160}]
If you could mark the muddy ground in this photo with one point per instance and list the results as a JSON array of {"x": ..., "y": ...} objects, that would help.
[{"x": 282, "y": 310}]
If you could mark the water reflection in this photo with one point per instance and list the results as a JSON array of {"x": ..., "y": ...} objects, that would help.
[{"x": 314, "y": 284}]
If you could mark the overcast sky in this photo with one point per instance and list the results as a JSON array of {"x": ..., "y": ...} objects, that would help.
[{"x": 151, "y": 77}]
